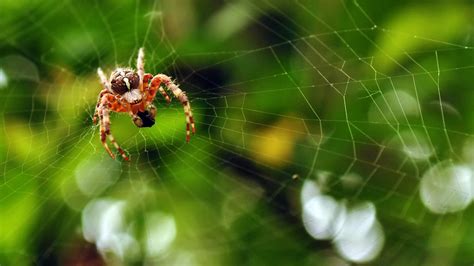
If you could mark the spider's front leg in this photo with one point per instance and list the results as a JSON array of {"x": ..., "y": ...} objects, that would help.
[
  {"x": 179, "y": 94},
  {"x": 109, "y": 102},
  {"x": 141, "y": 64},
  {"x": 105, "y": 89},
  {"x": 150, "y": 92},
  {"x": 96, "y": 112}
]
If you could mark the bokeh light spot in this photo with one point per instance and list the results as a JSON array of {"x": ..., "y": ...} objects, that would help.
[
  {"x": 319, "y": 216},
  {"x": 446, "y": 187},
  {"x": 392, "y": 107}
]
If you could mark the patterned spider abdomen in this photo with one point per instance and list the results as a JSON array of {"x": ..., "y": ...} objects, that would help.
[
  {"x": 123, "y": 80},
  {"x": 148, "y": 118}
]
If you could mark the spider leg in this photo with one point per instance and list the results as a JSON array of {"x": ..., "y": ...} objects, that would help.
[
  {"x": 104, "y": 119},
  {"x": 165, "y": 95},
  {"x": 181, "y": 96},
  {"x": 103, "y": 79},
  {"x": 96, "y": 112},
  {"x": 109, "y": 101},
  {"x": 122, "y": 152},
  {"x": 141, "y": 65},
  {"x": 155, "y": 86},
  {"x": 146, "y": 80}
]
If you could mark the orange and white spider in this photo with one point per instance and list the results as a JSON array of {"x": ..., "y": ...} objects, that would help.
[{"x": 133, "y": 92}]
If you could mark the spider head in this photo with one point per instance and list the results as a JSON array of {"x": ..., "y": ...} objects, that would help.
[{"x": 124, "y": 80}]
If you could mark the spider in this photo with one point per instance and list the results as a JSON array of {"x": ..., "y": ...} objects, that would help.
[{"x": 133, "y": 92}]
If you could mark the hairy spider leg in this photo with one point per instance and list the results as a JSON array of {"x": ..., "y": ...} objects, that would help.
[
  {"x": 118, "y": 99},
  {"x": 103, "y": 115},
  {"x": 106, "y": 89},
  {"x": 110, "y": 102},
  {"x": 103, "y": 79},
  {"x": 96, "y": 112},
  {"x": 141, "y": 65},
  {"x": 180, "y": 95},
  {"x": 122, "y": 152},
  {"x": 146, "y": 80},
  {"x": 165, "y": 95},
  {"x": 151, "y": 91}
]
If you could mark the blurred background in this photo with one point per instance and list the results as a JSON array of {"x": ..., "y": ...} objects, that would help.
[{"x": 328, "y": 133}]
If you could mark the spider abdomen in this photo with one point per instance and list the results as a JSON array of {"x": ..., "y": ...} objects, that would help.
[
  {"x": 124, "y": 80},
  {"x": 148, "y": 119}
]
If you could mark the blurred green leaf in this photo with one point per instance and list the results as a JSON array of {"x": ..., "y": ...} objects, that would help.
[{"x": 419, "y": 27}]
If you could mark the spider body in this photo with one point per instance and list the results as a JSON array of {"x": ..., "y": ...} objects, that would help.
[
  {"x": 133, "y": 92},
  {"x": 147, "y": 117}
]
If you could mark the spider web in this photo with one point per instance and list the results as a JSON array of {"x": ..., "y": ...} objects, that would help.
[{"x": 318, "y": 141}]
